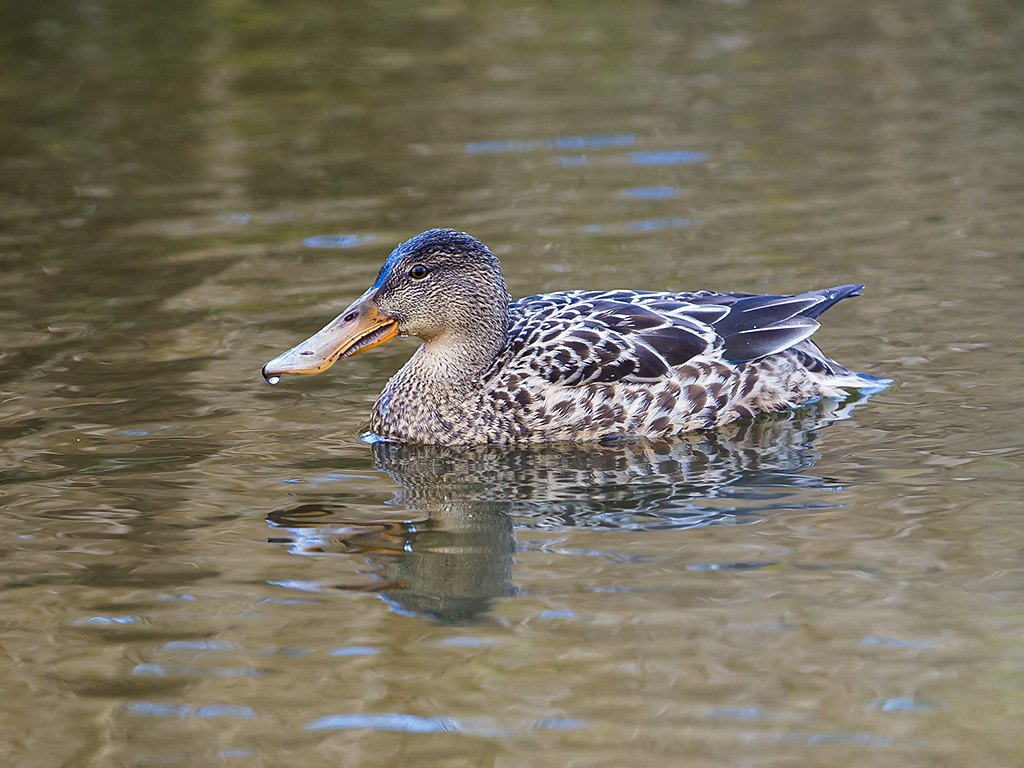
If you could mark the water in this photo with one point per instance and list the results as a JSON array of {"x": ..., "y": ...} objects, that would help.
[{"x": 201, "y": 569}]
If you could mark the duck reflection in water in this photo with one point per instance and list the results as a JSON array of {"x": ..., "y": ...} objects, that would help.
[{"x": 454, "y": 557}]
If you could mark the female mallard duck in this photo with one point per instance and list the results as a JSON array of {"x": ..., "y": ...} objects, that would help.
[{"x": 573, "y": 365}]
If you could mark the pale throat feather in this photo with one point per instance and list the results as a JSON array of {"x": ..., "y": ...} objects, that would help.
[{"x": 439, "y": 383}]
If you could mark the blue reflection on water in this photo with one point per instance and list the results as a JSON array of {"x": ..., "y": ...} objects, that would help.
[
  {"x": 163, "y": 670},
  {"x": 282, "y": 601},
  {"x": 355, "y": 650},
  {"x": 337, "y": 241},
  {"x": 905, "y": 704},
  {"x": 157, "y": 709},
  {"x": 893, "y": 642},
  {"x": 199, "y": 645},
  {"x": 386, "y": 721},
  {"x": 649, "y": 193},
  {"x": 648, "y": 225},
  {"x": 395, "y": 721},
  {"x": 468, "y": 642},
  {"x": 729, "y": 566},
  {"x": 494, "y": 147},
  {"x": 226, "y": 710},
  {"x": 851, "y": 739},
  {"x": 106, "y": 621},
  {"x": 676, "y": 157},
  {"x": 552, "y": 614},
  {"x": 562, "y": 723},
  {"x": 561, "y": 143},
  {"x": 592, "y": 142}
]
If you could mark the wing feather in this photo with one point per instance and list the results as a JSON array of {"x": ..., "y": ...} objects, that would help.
[
  {"x": 574, "y": 338},
  {"x": 752, "y": 343}
]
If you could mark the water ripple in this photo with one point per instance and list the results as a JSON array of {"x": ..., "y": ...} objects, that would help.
[
  {"x": 158, "y": 709},
  {"x": 337, "y": 241},
  {"x": 386, "y": 721},
  {"x": 675, "y": 157},
  {"x": 561, "y": 143}
]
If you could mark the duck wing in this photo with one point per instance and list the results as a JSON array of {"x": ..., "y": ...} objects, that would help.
[
  {"x": 756, "y": 326},
  {"x": 574, "y": 338}
]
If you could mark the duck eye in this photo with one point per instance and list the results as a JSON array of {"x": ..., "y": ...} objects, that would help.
[{"x": 418, "y": 272}]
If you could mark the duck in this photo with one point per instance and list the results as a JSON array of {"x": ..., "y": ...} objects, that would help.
[{"x": 574, "y": 365}]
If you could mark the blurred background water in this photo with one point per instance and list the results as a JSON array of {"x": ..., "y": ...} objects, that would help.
[{"x": 198, "y": 569}]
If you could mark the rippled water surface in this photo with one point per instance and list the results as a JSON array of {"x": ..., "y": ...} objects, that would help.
[{"x": 199, "y": 569}]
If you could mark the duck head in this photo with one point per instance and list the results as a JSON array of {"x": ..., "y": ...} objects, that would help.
[{"x": 443, "y": 286}]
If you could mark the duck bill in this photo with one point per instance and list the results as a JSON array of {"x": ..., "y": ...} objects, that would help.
[{"x": 357, "y": 329}]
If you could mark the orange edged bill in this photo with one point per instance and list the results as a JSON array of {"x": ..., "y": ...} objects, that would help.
[{"x": 357, "y": 329}]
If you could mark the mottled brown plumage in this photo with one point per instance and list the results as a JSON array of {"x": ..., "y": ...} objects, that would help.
[{"x": 575, "y": 365}]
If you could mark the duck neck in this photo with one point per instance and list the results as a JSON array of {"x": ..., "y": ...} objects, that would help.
[
  {"x": 465, "y": 348},
  {"x": 428, "y": 397}
]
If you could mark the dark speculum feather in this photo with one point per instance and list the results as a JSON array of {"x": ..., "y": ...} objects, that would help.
[
  {"x": 675, "y": 343},
  {"x": 649, "y": 365},
  {"x": 761, "y": 311},
  {"x": 753, "y": 343}
]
